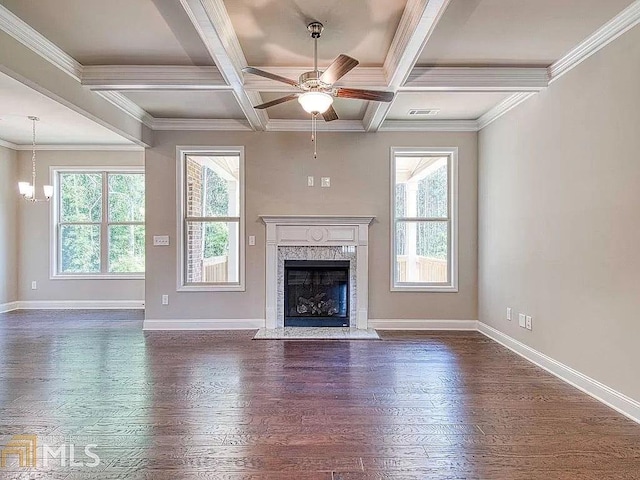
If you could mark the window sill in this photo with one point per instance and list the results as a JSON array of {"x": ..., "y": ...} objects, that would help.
[
  {"x": 425, "y": 288},
  {"x": 212, "y": 288},
  {"x": 96, "y": 277}
]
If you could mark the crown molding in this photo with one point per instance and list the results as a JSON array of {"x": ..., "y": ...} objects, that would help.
[
  {"x": 429, "y": 126},
  {"x": 152, "y": 77},
  {"x": 621, "y": 23},
  {"x": 476, "y": 79},
  {"x": 127, "y": 106},
  {"x": 418, "y": 22},
  {"x": 212, "y": 22},
  {"x": 30, "y": 38},
  {"x": 200, "y": 124},
  {"x": 502, "y": 108},
  {"x": 5, "y": 144},
  {"x": 611, "y": 30},
  {"x": 279, "y": 125},
  {"x": 77, "y": 147},
  {"x": 361, "y": 77}
]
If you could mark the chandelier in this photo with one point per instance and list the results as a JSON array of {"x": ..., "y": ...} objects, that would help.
[{"x": 28, "y": 190}]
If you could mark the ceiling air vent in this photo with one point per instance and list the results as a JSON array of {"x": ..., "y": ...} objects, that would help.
[{"x": 424, "y": 112}]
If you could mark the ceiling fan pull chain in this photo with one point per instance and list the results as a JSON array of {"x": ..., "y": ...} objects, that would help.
[{"x": 314, "y": 134}]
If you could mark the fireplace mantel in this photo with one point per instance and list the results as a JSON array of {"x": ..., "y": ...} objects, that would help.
[{"x": 317, "y": 231}]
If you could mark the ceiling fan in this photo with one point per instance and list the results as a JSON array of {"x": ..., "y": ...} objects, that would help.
[{"x": 317, "y": 88}]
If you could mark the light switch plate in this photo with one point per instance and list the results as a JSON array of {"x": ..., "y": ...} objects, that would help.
[
  {"x": 522, "y": 320},
  {"x": 252, "y": 240},
  {"x": 310, "y": 181},
  {"x": 325, "y": 182},
  {"x": 160, "y": 240}
]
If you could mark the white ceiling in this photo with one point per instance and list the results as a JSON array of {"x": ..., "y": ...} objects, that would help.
[
  {"x": 118, "y": 32},
  {"x": 187, "y": 104},
  {"x": 388, "y": 37},
  {"x": 274, "y": 32},
  {"x": 58, "y": 124},
  {"x": 514, "y": 32}
]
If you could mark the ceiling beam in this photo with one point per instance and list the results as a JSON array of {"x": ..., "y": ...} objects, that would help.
[
  {"x": 152, "y": 77},
  {"x": 212, "y": 22},
  {"x": 281, "y": 125},
  {"x": 429, "y": 126},
  {"x": 476, "y": 79},
  {"x": 418, "y": 22},
  {"x": 200, "y": 124}
]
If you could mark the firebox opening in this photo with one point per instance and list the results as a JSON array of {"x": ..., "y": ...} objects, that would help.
[{"x": 316, "y": 293}]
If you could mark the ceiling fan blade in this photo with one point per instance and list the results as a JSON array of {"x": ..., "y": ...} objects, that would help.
[
  {"x": 338, "y": 69},
  {"x": 375, "y": 95},
  {"x": 271, "y": 76},
  {"x": 277, "y": 101},
  {"x": 330, "y": 115}
]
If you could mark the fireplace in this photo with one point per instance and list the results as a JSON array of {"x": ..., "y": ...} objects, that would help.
[
  {"x": 317, "y": 238},
  {"x": 316, "y": 293}
]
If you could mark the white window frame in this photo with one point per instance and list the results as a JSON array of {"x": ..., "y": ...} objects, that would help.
[
  {"x": 452, "y": 217},
  {"x": 183, "y": 286},
  {"x": 54, "y": 246}
]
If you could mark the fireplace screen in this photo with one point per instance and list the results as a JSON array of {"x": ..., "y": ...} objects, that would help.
[{"x": 316, "y": 293}]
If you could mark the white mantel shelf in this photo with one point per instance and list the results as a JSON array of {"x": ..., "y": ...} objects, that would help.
[
  {"x": 317, "y": 231},
  {"x": 317, "y": 219}
]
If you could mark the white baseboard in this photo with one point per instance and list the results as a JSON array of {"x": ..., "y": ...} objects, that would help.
[
  {"x": 81, "y": 305},
  {"x": 616, "y": 400},
  {"x": 415, "y": 324},
  {"x": 8, "y": 307},
  {"x": 204, "y": 324}
]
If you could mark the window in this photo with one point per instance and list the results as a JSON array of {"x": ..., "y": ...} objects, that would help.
[
  {"x": 424, "y": 223},
  {"x": 211, "y": 199},
  {"x": 99, "y": 223}
]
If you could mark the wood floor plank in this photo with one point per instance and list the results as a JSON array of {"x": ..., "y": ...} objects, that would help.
[{"x": 219, "y": 406}]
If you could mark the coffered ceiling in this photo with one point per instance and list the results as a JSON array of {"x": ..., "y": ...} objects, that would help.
[{"x": 172, "y": 64}]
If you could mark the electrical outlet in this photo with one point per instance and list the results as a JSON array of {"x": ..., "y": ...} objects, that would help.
[
  {"x": 310, "y": 181},
  {"x": 528, "y": 322},
  {"x": 161, "y": 240},
  {"x": 522, "y": 320},
  {"x": 325, "y": 182},
  {"x": 252, "y": 240},
  {"x": 34, "y": 285},
  {"x": 165, "y": 299},
  {"x": 509, "y": 313}
]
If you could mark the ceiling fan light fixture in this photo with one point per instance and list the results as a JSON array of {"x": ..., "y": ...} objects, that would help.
[{"x": 315, "y": 102}]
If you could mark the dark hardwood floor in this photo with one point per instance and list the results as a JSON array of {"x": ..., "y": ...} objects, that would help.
[{"x": 217, "y": 405}]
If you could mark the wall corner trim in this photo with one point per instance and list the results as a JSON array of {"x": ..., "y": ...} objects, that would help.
[
  {"x": 604, "y": 394},
  {"x": 422, "y": 324},
  {"x": 8, "y": 307},
  {"x": 204, "y": 324}
]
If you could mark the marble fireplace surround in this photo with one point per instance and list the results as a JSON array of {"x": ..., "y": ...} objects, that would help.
[{"x": 319, "y": 235}]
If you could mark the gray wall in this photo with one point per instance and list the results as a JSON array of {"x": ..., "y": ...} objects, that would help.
[
  {"x": 8, "y": 226},
  {"x": 34, "y": 261},
  {"x": 559, "y": 218},
  {"x": 277, "y": 166}
]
